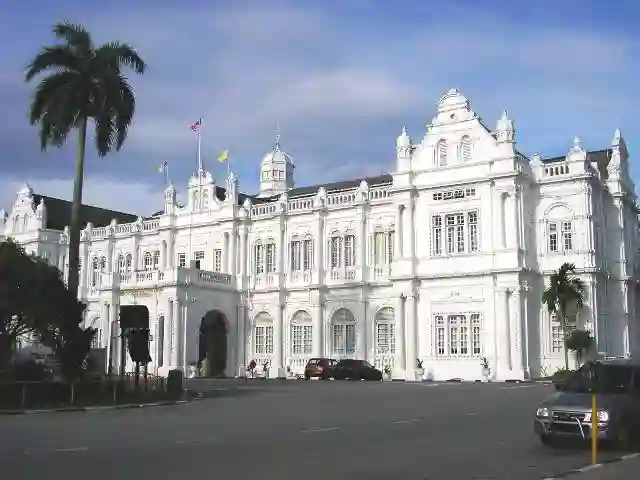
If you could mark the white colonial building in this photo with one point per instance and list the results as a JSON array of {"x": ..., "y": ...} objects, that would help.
[{"x": 443, "y": 260}]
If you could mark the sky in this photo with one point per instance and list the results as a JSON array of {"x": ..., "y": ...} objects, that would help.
[{"x": 337, "y": 79}]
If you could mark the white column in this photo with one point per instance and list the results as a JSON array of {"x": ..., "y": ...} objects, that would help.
[
  {"x": 168, "y": 340},
  {"x": 243, "y": 254},
  {"x": 525, "y": 329},
  {"x": 399, "y": 233},
  {"x": 278, "y": 343},
  {"x": 362, "y": 245},
  {"x": 516, "y": 331},
  {"x": 318, "y": 243},
  {"x": 231, "y": 257},
  {"x": 318, "y": 314},
  {"x": 399, "y": 362},
  {"x": 176, "y": 337},
  {"x": 411, "y": 335},
  {"x": 505, "y": 362},
  {"x": 411, "y": 232},
  {"x": 242, "y": 339}
]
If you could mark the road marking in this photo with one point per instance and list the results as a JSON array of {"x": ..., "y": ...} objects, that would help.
[
  {"x": 471, "y": 414},
  {"x": 71, "y": 450},
  {"x": 519, "y": 386},
  {"x": 318, "y": 430},
  {"x": 410, "y": 420},
  {"x": 430, "y": 384},
  {"x": 630, "y": 456}
]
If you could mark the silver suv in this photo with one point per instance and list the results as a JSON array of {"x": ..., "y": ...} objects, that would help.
[{"x": 567, "y": 413}]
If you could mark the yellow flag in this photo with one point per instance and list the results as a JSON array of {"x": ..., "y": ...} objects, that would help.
[{"x": 223, "y": 156}]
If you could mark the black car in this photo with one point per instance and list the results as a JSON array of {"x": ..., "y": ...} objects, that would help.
[{"x": 356, "y": 370}]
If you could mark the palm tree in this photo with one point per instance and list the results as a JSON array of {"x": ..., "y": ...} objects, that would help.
[
  {"x": 565, "y": 291},
  {"x": 84, "y": 83}
]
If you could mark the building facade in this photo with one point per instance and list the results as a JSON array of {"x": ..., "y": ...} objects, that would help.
[{"x": 443, "y": 261}]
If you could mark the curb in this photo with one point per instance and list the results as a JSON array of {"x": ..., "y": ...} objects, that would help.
[
  {"x": 598, "y": 466},
  {"x": 102, "y": 408}
]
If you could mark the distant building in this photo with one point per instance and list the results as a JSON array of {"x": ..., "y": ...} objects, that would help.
[{"x": 442, "y": 260}]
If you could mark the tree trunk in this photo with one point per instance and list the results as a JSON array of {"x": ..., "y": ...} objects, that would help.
[
  {"x": 75, "y": 227},
  {"x": 563, "y": 322}
]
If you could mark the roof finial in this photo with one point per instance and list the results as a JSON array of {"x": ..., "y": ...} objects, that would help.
[{"x": 278, "y": 136}]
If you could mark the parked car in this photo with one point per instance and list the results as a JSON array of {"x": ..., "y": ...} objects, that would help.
[
  {"x": 567, "y": 414},
  {"x": 319, "y": 368},
  {"x": 356, "y": 370}
]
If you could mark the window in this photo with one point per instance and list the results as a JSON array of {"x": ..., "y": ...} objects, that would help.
[
  {"x": 461, "y": 234},
  {"x": 349, "y": 251},
  {"x": 454, "y": 194},
  {"x": 217, "y": 260},
  {"x": 198, "y": 257},
  {"x": 95, "y": 271},
  {"x": 301, "y": 334},
  {"x": 472, "y": 222},
  {"x": 336, "y": 252},
  {"x": 182, "y": 260},
  {"x": 553, "y": 237},
  {"x": 436, "y": 227},
  {"x": 442, "y": 152},
  {"x": 271, "y": 257},
  {"x": 557, "y": 243},
  {"x": 383, "y": 247},
  {"x": 557, "y": 336},
  {"x": 385, "y": 332},
  {"x": 148, "y": 261},
  {"x": 567, "y": 243},
  {"x": 307, "y": 257},
  {"x": 465, "y": 149},
  {"x": 258, "y": 259},
  {"x": 296, "y": 255},
  {"x": 264, "y": 340},
  {"x": 343, "y": 333},
  {"x": 156, "y": 259},
  {"x": 458, "y": 335}
]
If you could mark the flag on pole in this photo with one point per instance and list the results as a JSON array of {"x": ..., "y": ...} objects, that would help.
[
  {"x": 223, "y": 156},
  {"x": 162, "y": 168},
  {"x": 196, "y": 126}
]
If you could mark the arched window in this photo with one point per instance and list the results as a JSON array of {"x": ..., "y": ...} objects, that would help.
[
  {"x": 263, "y": 340},
  {"x": 122, "y": 265},
  {"x": 465, "y": 149},
  {"x": 103, "y": 264},
  {"x": 156, "y": 259},
  {"x": 442, "y": 150},
  {"x": 95, "y": 271},
  {"x": 301, "y": 333},
  {"x": 26, "y": 222},
  {"x": 205, "y": 200},
  {"x": 258, "y": 258},
  {"x": 148, "y": 261},
  {"x": 128, "y": 262},
  {"x": 385, "y": 332},
  {"x": 343, "y": 333}
]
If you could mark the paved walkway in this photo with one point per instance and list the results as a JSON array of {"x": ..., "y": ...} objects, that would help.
[{"x": 626, "y": 469}]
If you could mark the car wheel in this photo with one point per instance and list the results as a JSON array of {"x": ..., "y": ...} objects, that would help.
[
  {"x": 546, "y": 440},
  {"x": 623, "y": 439}
]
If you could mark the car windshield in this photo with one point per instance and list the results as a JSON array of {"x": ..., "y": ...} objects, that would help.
[{"x": 600, "y": 378}]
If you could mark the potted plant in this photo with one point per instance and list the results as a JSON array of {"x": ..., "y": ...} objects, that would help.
[
  {"x": 419, "y": 369},
  {"x": 265, "y": 368},
  {"x": 486, "y": 369},
  {"x": 387, "y": 371}
]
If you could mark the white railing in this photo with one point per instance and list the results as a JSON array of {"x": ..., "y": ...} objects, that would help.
[
  {"x": 296, "y": 364},
  {"x": 342, "y": 273}
]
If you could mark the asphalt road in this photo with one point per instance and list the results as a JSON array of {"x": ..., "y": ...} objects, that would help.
[{"x": 297, "y": 429}]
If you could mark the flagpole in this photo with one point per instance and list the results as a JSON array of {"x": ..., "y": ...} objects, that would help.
[
  {"x": 199, "y": 145},
  {"x": 167, "y": 181}
]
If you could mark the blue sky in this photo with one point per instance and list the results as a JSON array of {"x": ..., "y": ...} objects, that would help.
[{"x": 340, "y": 78}]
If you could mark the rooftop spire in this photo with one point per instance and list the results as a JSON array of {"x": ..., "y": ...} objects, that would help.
[{"x": 278, "y": 137}]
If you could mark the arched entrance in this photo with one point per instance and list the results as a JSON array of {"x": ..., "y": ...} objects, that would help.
[{"x": 213, "y": 344}]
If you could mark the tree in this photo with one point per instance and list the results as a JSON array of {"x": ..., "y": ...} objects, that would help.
[
  {"x": 565, "y": 291},
  {"x": 85, "y": 83},
  {"x": 580, "y": 342},
  {"x": 34, "y": 300}
]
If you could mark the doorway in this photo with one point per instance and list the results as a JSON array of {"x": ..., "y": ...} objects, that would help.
[{"x": 212, "y": 351}]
